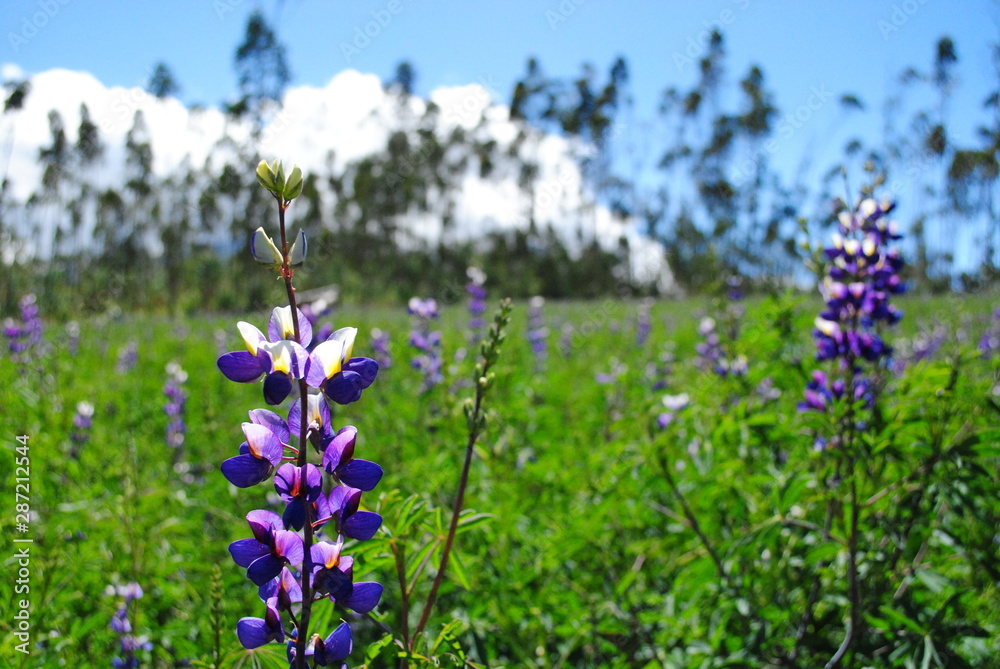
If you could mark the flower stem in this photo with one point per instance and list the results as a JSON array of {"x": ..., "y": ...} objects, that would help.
[
  {"x": 477, "y": 423},
  {"x": 307, "y": 540}
]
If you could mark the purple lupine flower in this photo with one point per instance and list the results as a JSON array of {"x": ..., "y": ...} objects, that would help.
[
  {"x": 24, "y": 338},
  {"x": 348, "y": 519},
  {"x": 566, "y": 339},
  {"x": 674, "y": 404},
  {"x": 712, "y": 355},
  {"x": 277, "y": 357},
  {"x": 255, "y": 632},
  {"x": 284, "y": 588},
  {"x": 861, "y": 278},
  {"x": 660, "y": 372},
  {"x": 72, "y": 337},
  {"x": 428, "y": 344},
  {"x": 128, "y": 643},
  {"x": 538, "y": 334},
  {"x": 298, "y": 487},
  {"x": 477, "y": 303},
  {"x": 259, "y": 455},
  {"x": 322, "y": 367},
  {"x": 270, "y": 549},
  {"x": 380, "y": 346},
  {"x": 341, "y": 377},
  {"x": 333, "y": 576},
  {"x": 989, "y": 343},
  {"x": 174, "y": 408},
  {"x": 82, "y": 422},
  {"x": 128, "y": 357},
  {"x": 643, "y": 321},
  {"x": 340, "y": 463}
]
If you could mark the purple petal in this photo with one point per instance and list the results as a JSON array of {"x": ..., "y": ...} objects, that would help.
[
  {"x": 362, "y": 525},
  {"x": 245, "y": 551},
  {"x": 345, "y": 387},
  {"x": 240, "y": 366},
  {"x": 366, "y": 368},
  {"x": 333, "y": 582},
  {"x": 344, "y": 500},
  {"x": 273, "y": 422},
  {"x": 264, "y": 568},
  {"x": 277, "y": 386},
  {"x": 263, "y": 443},
  {"x": 244, "y": 471},
  {"x": 263, "y": 523},
  {"x": 360, "y": 474},
  {"x": 253, "y": 632},
  {"x": 364, "y": 598},
  {"x": 289, "y": 546},
  {"x": 340, "y": 448},
  {"x": 324, "y": 554},
  {"x": 339, "y": 644},
  {"x": 274, "y": 330}
]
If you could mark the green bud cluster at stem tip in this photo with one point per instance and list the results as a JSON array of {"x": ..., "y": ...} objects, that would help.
[{"x": 284, "y": 188}]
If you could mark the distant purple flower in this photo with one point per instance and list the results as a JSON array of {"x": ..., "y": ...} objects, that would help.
[
  {"x": 861, "y": 278},
  {"x": 428, "y": 344},
  {"x": 128, "y": 643},
  {"x": 24, "y": 338},
  {"x": 174, "y": 407},
  {"x": 82, "y": 422},
  {"x": 538, "y": 334},
  {"x": 989, "y": 343},
  {"x": 128, "y": 357},
  {"x": 477, "y": 303},
  {"x": 72, "y": 337},
  {"x": 673, "y": 404},
  {"x": 643, "y": 322},
  {"x": 380, "y": 347}
]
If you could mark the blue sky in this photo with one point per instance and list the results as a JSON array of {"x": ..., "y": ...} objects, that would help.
[
  {"x": 853, "y": 45},
  {"x": 857, "y": 46}
]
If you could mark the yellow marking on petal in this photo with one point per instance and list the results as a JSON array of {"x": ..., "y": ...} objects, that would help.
[
  {"x": 285, "y": 322},
  {"x": 281, "y": 355},
  {"x": 252, "y": 337},
  {"x": 329, "y": 353},
  {"x": 346, "y": 336},
  {"x": 829, "y": 328}
]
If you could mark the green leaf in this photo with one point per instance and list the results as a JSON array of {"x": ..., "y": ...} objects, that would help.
[{"x": 934, "y": 581}]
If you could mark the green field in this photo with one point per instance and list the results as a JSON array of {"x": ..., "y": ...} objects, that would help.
[{"x": 585, "y": 554}]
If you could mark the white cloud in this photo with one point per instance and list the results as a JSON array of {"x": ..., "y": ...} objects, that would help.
[{"x": 350, "y": 117}]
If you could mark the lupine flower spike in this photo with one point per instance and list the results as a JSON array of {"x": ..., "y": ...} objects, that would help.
[{"x": 295, "y": 558}]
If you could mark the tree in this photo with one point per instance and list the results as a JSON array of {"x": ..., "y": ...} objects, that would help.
[
  {"x": 261, "y": 67},
  {"x": 162, "y": 83}
]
